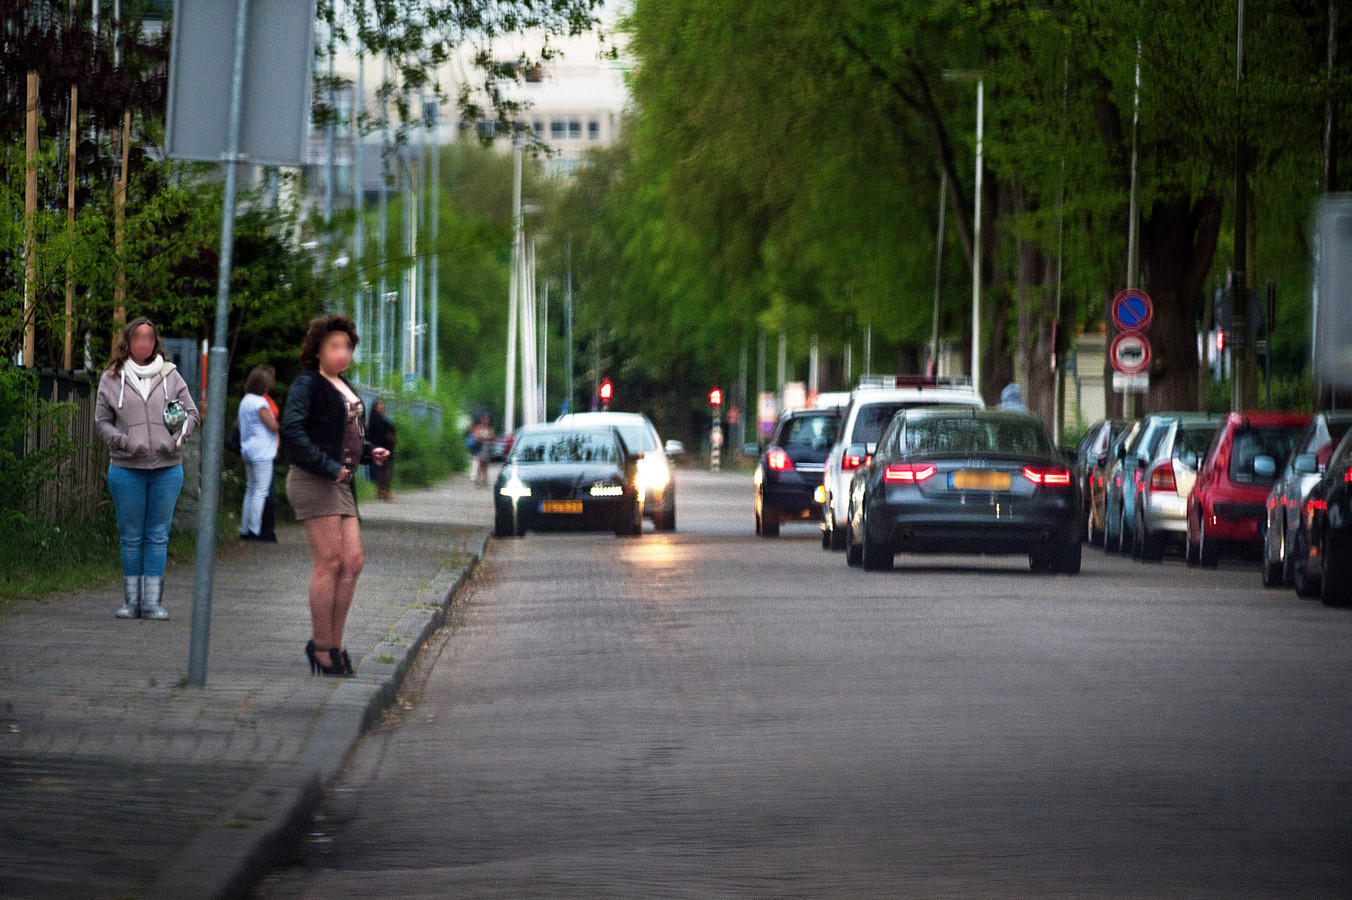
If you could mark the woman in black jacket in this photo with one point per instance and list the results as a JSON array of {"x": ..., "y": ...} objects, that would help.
[{"x": 323, "y": 428}]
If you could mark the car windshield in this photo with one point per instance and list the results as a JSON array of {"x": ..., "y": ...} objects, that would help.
[
  {"x": 1254, "y": 442},
  {"x": 1013, "y": 437},
  {"x": 873, "y": 418},
  {"x": 565, "y": 447},
  {"x": 1194, "y": 439},
  {"x": 811, "y": 432}
]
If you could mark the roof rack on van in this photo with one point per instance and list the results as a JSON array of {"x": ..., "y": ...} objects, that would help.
[{"x": 919, "y": 382}]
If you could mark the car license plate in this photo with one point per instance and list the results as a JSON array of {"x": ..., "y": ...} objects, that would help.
[
  {"x": 563, "y": 507},
  {"x": 981, "y": 481}
]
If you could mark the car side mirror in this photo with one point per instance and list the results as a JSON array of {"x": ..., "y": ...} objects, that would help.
[
  {"x": 1265, "y": 467},
  {"x": 1122, "y": 452},
  {"x": 872, "y": 447},
  {"x": 1306, "y": 464},
  {"x": 673, "y": 448},
  {"x": 1189, "y": 459},
  {"x": 1103, "y": 459}
]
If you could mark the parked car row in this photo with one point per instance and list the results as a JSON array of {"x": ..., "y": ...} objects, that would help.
[{"x": 1270, "y": 486}]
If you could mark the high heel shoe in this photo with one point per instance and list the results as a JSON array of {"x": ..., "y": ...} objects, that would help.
[
  {"x": 333, "y": 667},
  {"x": 310, "y": 655},
  {"x": 340, "y": 658}
]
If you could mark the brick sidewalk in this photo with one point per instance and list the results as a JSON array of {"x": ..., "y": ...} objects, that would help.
[{"x": 117, "y": 780}]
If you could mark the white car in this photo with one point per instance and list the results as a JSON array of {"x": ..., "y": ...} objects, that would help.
[
  {"x": 872, "y": 407},
  {"x": 654, "y": 470}
]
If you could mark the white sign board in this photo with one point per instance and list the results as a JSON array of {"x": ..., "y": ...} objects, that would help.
[
  {"x": 1131, "y": 384},
  {"x": 278, "y": 61}
]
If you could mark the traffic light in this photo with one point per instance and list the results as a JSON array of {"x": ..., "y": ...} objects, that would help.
[
  {"x": 607, "y": 390},
  {"x": 715, "y": 397}
]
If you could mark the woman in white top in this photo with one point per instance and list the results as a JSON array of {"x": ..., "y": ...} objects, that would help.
[{"x": 258, "y": 446}]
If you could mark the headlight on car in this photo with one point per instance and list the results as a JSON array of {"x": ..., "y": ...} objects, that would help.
[
  {"x": 653, "y": 474},
  {"x": 607, "y": 489},
  {"x": 515, "y": 489}
]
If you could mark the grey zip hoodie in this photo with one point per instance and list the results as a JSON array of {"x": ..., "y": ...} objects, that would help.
[{"x": 133, "y": 426}]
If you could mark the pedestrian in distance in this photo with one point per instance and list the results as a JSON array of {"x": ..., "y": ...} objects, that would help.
[
  {"x": 144, "y": 413},
  {"x": 269, "y": 522},
  {"x": 324, "y": 431},
  {"x": 1011, "y": 398},
  {"x": 482, "y": 437},
  {"x": 381, "y": 432},
  {"x": 258, "y": 430}
]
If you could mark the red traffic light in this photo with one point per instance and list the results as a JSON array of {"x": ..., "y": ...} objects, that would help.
[
  {"x": 606, "y": 391},
  {"x": 716, "y": 397}
]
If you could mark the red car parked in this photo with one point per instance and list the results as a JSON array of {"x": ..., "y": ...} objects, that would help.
[{"x": 1227, "y": 508}]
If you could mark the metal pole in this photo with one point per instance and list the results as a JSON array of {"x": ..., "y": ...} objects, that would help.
[
  {"x": 1133, "y": 214},
  {"x": 382, "y": 359},
  {"x": 868, "y": 349},
  {"x": 760, "y": 378},
  {"x": 544, "y": 356},
  {"x": 814, "y": 358},
  {"x": 218, "y": 363},
  {"x": 359, "y": 209},
  {"x": 568, "y": 313},
  {"x": 976, "y": 236},
  {"x": 938, "y": 273},
  {"x": 1239, "y": 289},
  {"x": 741, "y": 394},
  {"x": 434, "y": 211},
  {"x": 421, "y": 334},
  {"x": 1330, "y": 105},
  {"x": 330, "y": 130},
  {"x": 782, "y": 372},
  {"x": 514, "y": 291},
  {"x": 30, "y": 217}
]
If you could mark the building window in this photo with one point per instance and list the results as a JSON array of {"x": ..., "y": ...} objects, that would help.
[
  {"x": 538, "y": 126},
  {"x": 593, "y": 130},
  {"x": 575, "y": 129},
  {"x": 558, "y": 129},
  {"x": 487, "y": 128}
]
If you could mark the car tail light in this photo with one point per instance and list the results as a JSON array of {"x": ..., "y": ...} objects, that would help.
[
  {"x": 1162, "y": 479},
  {"x": 855, "y": 456},
  {"x": 1050, "y": 477},
  {"x": 1347, "y": 476},
  {"x": 908, "y": 473},
  {"x": 778, "y": 460}
]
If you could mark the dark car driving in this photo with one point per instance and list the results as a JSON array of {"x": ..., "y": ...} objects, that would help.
[
  {"x": 788, "y": 475},
  {"x": 965, "y": 481},
  {"x": 568, "y": 479}
]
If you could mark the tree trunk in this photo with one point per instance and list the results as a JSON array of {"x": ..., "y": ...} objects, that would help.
[{"x": 1178, "y": 242}]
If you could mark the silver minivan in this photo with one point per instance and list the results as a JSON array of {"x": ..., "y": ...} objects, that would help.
[{"x": 1166, "y": 478}]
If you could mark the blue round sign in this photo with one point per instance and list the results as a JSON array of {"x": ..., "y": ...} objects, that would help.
[{"x": 1132, "y": 310}]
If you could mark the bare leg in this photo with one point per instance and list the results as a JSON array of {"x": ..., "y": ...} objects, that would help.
[
  {"x": 326, "y": 543},
  {"x": 352, "y": 561}
]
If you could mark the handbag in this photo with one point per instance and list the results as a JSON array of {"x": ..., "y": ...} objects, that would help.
[
  {"x": 174, "y": 415},
  {"x": 233, "y": 441}
]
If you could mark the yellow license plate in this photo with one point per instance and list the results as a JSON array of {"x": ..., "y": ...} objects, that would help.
[
  {"x": 981, "y": 481},
  {"x": 564, "y": 507}
]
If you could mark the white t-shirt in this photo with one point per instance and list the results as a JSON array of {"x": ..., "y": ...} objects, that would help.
[{"x": 256, "y": 442}]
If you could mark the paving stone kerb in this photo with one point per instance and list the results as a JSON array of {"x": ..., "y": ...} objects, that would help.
[{"x": 117, "y": 780}]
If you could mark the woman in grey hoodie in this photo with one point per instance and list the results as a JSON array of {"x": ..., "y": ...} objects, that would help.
[{"x": 144, "y": 413}]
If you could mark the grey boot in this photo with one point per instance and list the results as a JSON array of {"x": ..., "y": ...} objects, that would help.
[
  {"x": 152, "y": 591},
  {"x": 131, "y": 598}
]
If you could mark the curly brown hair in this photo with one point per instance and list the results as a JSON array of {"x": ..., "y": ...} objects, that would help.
[
  {"x": 122, "y": 348},
  {"x": 321, "y": 328}
]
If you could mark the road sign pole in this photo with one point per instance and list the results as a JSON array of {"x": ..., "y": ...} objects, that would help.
[{"x": 219, "y": 361}]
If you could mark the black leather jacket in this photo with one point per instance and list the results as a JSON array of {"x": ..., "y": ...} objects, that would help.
[{"x": 312, "y": 426}]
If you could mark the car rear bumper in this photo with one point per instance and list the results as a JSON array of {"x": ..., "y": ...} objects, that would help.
[
  {"x": 596, "y": 515},
  {"x": 1166, "y": 512},
  {"x": 791, "y": 499},
  {"x": 985, "y": 530}
]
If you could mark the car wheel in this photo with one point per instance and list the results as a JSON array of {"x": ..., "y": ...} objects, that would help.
[
  {"x": 875, "y": 556},
  {"x": 1208, "y": 554},
  {"x": 634, "y": 526},
  {"x": 1271, "y": 571},
  {"x": 1307, "y": 585},
  {"x": 666, "y": 521},
  {"x": 1112, "y": 541},
  {"x": 1069, "y": 559},
  {"x": 854, "y": 554},
  {"x": 1335, "y": 589},
  {"x": 1095, "y": 533},
  {"x": 1138, "y": 540},
  {"x": 769, "y": 524},
  {"x": 502, "y": 523},
  {"x": 1125, "y": 537},
  {"x": 1040, "y": 561},
  {"x": 838, "y": 536},
  {"x": 1288, "y": 558}
]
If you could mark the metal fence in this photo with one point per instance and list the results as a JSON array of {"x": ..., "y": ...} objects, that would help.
[{"x": 76, "y": 487}]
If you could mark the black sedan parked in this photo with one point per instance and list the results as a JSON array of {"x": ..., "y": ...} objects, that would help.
[
  {"x": 568, "y": 479},
  {"x": 1323, "y": 564},
  {"x": 950, "y": 480},
  {"x": 788, "y": 476}
]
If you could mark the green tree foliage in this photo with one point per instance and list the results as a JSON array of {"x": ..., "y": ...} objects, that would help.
[{"x": 783, "y": 164}]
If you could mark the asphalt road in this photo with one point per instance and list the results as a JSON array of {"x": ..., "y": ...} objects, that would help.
[{"x": 712, "y": 714}]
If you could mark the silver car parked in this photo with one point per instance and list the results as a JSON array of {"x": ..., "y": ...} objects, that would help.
[
  {"x": 1309, "y": 458},
  {"x": 1166, "y": 478}
]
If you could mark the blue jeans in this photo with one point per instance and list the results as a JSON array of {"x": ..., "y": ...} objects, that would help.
[{"x": 145, "y": 500}]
